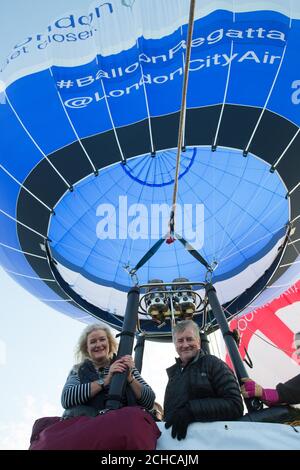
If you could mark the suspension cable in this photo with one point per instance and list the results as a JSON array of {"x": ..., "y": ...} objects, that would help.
[{"x": 182, "y": 114}]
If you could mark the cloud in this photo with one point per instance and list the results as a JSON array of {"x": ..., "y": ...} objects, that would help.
[{"x": 15, "y": 435}]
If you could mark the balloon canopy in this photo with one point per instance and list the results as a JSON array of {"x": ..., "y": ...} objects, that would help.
[{"x": 90, "y": 101}]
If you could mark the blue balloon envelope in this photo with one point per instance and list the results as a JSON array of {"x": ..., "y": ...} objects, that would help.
[{"x": 89, "y": 115}]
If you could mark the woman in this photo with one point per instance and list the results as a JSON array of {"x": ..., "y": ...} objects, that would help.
[
  {"x": 284, "y": 393},
  {"x": 287, "y": 393},
  {"x": 88, "y": 382},
  {"x": 84, "y": 395}
]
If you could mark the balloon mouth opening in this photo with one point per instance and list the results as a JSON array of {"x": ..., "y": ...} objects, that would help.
[{"x": 233, "y": 210}]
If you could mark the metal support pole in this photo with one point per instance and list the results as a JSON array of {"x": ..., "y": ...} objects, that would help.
[
  {"x": 139, "y": 351},
  {"x": 251, "y": 404},
  {"x": 119, "y": 380}
]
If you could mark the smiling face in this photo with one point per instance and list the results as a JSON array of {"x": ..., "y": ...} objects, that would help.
[
  {"x": 98, "y": 346},
  {"x": 187, "y": 345}
]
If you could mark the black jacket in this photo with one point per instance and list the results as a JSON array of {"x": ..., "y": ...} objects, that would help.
[
  {"x": 209, "y": 388},
  {"x": 289, "y": 392}
]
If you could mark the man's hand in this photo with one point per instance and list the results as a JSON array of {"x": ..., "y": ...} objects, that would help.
[{"x": 179, "y": 421}]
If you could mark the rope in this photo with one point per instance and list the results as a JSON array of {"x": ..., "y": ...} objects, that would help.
[
  {"x": 21, "y": 251},
  {"x": 292, "y": 190},
  {"x": 23, "y": 225},
  {"x": 112, "y": 122},
  {"x": 182, "y": 113},
  {"x": 24, "y": 187},
  {"x": 76, "y": 134},
  {"x": 266, "y": 103},
  {"x": 146, "y": 103},
  {"x": 69, "y": 186},
  {"x": 214, "y": 145},
  {"x": 273, "y": 167}
]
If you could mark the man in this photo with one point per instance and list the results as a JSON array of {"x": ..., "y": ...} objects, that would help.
[{"x": 201, "y": 387}]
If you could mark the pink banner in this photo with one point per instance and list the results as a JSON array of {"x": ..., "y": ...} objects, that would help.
[{"x": 264, "y": 320}]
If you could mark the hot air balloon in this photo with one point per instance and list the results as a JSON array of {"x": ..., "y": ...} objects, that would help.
[{"x": 90, "y": 112}]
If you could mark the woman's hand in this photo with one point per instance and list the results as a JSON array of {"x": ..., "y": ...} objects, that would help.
[
  {"x": 129, "y": 363},
  {"x": 252, "y": 389},
  {"x": 116, "y": 367}
]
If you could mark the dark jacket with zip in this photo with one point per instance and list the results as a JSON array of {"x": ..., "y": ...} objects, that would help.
[{"x": 207, "y": 385}]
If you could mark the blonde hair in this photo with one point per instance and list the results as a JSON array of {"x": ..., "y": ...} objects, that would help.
[{"x": 81, "y": 352}]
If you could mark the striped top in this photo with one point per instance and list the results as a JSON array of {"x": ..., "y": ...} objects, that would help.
[{"x": 74, "y": 393}]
